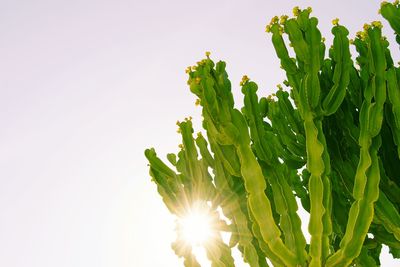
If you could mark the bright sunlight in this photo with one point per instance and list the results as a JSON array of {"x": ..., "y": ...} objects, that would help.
[{"x": 197, "y": 226}]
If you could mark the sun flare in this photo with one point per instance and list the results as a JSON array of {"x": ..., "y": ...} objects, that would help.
[{"x": 197, "y": 226}]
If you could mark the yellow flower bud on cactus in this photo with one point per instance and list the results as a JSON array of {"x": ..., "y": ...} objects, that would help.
[
  {"x": 296, "y": 11},
  {"x": 244, "y": 80},
  {"x": 283, "y": 19},
  {"x": 377, "y": 24}
]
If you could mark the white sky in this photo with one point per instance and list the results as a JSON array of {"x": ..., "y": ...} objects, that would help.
[{"x": 85, "y": 87}]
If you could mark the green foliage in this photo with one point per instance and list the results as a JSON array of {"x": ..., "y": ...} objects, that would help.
[{"x": 331, "y": 138}]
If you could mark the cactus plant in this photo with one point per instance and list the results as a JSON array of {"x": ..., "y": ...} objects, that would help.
[{"x": 329, "y": 138}]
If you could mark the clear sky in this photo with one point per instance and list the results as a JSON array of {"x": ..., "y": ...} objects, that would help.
[{"x": 86, "y": 86}]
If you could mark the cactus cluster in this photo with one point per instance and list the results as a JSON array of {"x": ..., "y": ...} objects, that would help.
[{"x": 329, "y": 137}]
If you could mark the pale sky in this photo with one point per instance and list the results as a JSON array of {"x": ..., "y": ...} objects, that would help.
[{"x": 86, "y": 86}]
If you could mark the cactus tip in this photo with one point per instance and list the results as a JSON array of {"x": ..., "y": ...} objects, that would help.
[
  {"x": 244, "y": 80},
  {"x": 274, "y": 20},
  {"x": 377, "y": 24},
  {"x": 361, "y": 35},
  {"x": 283, "y": 19},
  {"x": 296, "y": 11}
]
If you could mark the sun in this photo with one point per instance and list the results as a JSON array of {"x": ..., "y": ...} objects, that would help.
[{"x": 197, "y": 226}]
